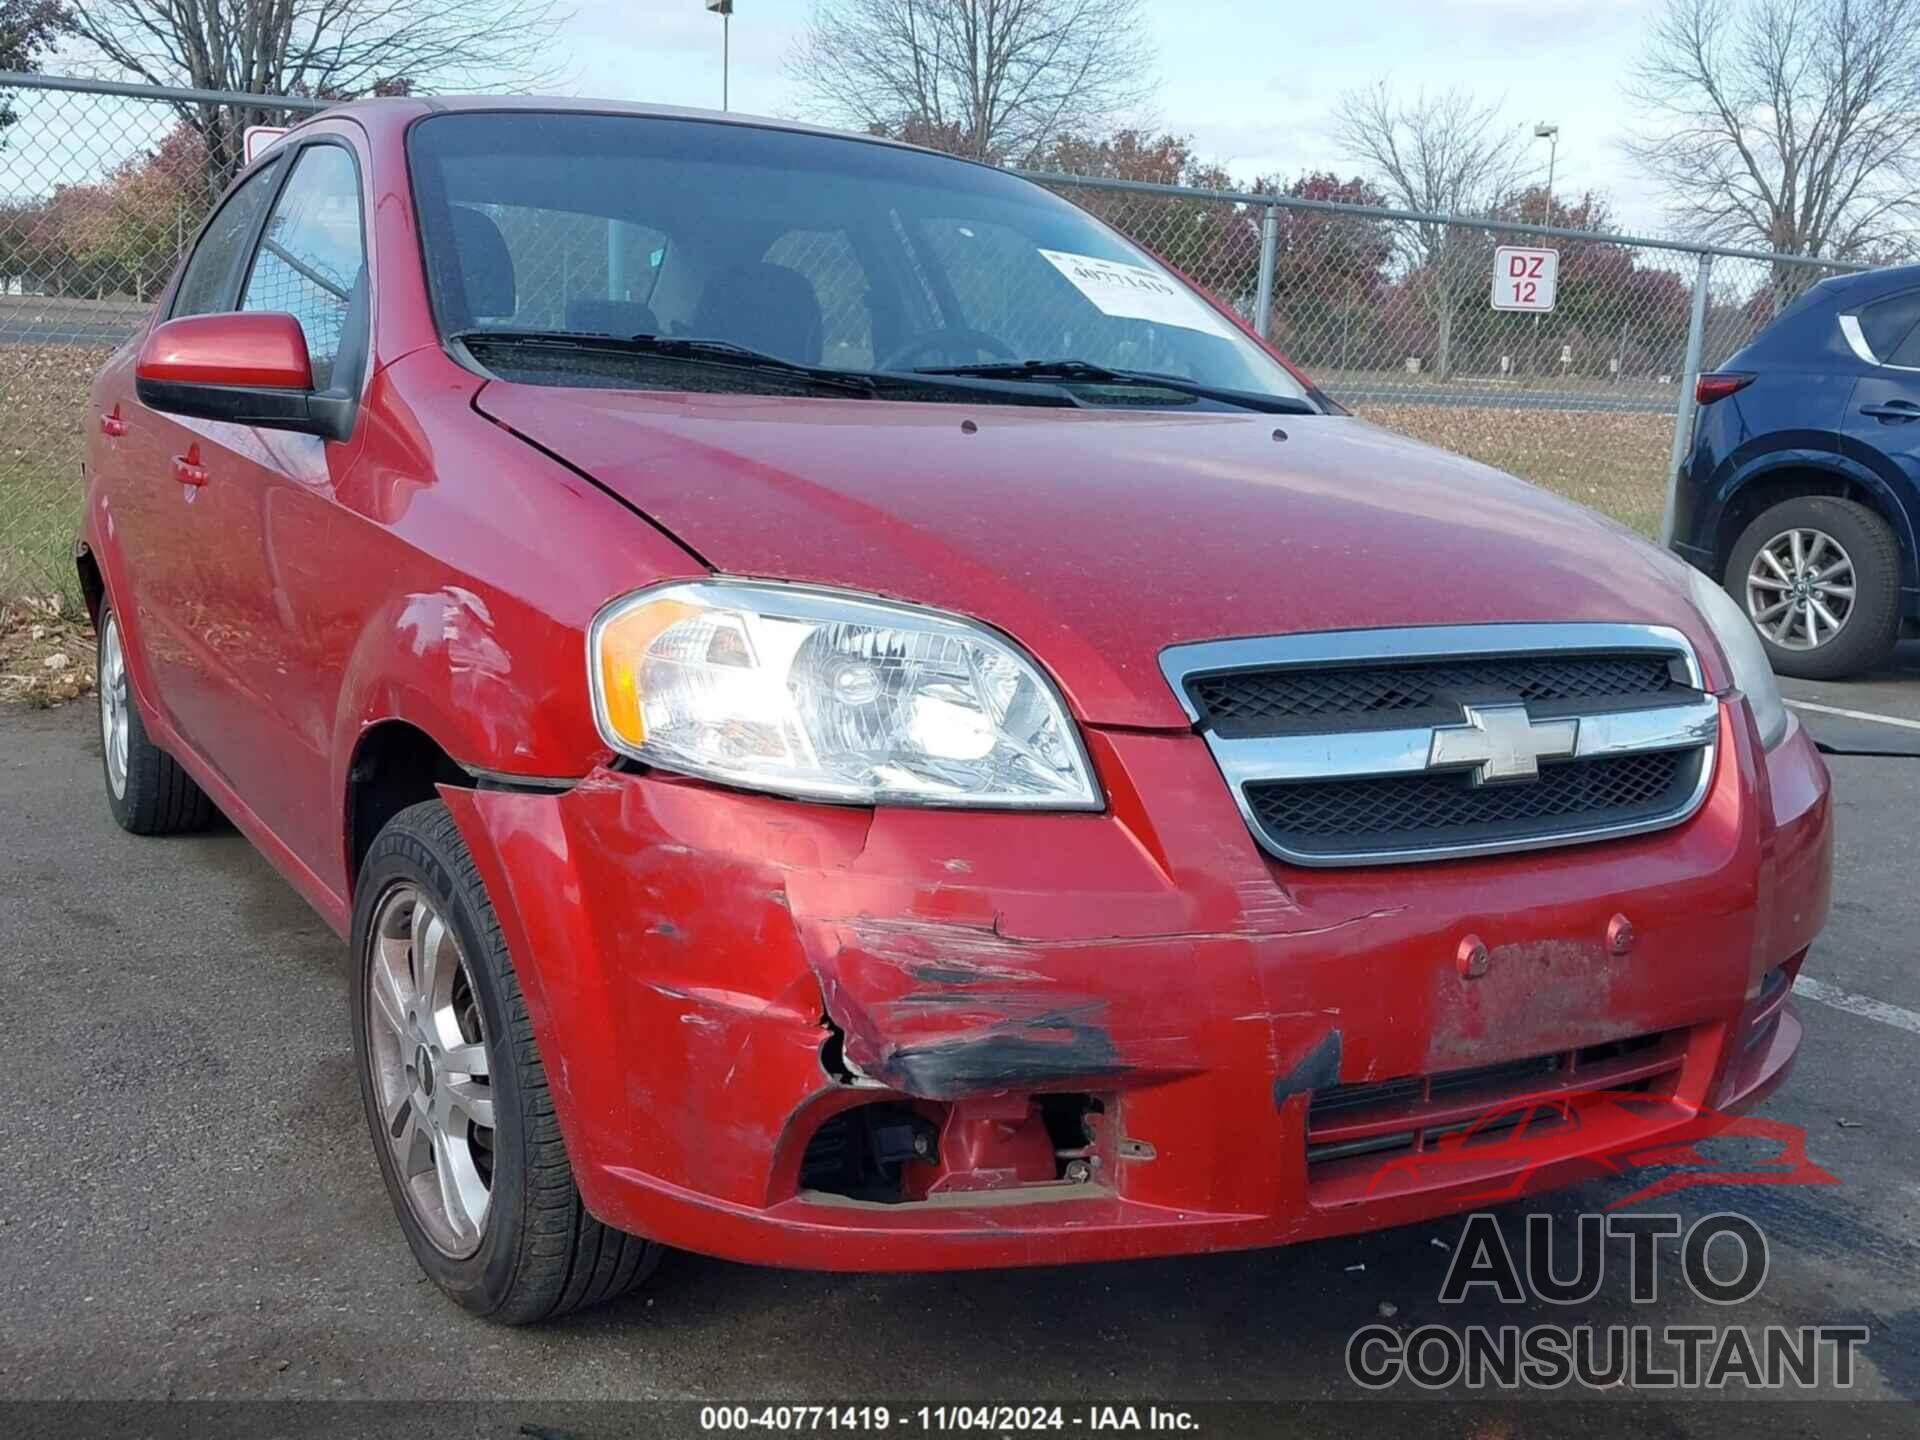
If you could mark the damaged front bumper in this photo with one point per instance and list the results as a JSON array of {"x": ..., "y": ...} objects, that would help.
[{"x": 910, "y": 1039}]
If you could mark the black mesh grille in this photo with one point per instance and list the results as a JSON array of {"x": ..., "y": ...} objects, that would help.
[
  {"x": 1442, "y": 808},
  {"x": 1268, "y": 701},
  {"x": 1370, "y": 1102}
]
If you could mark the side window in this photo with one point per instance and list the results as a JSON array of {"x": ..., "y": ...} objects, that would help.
[
  {"x": 1888, "y": 323},
  {"x": 312, "y": 253},
  {"x": 826, "y": 261},
  {"x": 1907, "y": 353},
  {"x": 215, "y": 267}
]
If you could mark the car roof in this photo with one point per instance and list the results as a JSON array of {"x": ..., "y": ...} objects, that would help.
[
  {"x": 387, "y": 113},
  {"x": 1865, "y": 285}
]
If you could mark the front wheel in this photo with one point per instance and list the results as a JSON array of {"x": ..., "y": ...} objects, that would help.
[
  {"x": 456, "y": 1096},
  {"x": 1820, "y": 579}
]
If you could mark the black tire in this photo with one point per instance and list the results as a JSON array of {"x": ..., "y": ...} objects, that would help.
[
  {"x": 540, "y": 1254},
  {"x": 156, "y": 796},
  {"x": 1872, "y": 627}
]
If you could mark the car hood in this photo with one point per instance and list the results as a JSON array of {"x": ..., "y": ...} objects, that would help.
[{"x": 1096, "y": 538}]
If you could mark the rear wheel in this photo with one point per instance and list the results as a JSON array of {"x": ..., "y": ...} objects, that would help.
[
  {"x": 456, "y": 1096},
  {"x": 1820, "y": 579},
  {"x": 147, "y": 790}
]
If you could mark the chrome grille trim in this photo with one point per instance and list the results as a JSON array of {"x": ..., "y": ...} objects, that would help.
[
  {"x": 1604, "y": 730},
  {"x": 1402, "y": 752}
]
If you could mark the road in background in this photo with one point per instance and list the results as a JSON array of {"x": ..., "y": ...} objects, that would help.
[{"x": 48, "y": 320}]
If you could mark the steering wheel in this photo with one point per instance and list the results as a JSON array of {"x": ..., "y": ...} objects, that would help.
[{"x": 946, "y": 341}]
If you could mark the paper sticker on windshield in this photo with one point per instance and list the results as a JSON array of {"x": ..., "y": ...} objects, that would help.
[{"x": 1133, "y": 292}]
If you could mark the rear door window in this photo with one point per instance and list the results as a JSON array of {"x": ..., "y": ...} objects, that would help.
[
  {"x": 1907, "y": 354},
  {"x": 1888, "y": 325}
]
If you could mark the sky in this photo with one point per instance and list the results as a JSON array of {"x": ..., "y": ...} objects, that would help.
[{"x": 1254, "y": 82}]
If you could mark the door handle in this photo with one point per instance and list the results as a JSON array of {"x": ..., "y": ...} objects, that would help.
[
  {"x": 112, "y": 425},
  {"x": 1893, "y": 410},
  {"x": 187, "y": 468}
]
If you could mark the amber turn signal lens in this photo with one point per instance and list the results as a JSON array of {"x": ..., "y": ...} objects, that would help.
[{"x": 623, "y": 644}]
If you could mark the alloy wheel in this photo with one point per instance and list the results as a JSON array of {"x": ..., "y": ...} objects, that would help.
[
  {"x": 426, "y": 1046},
  {"x": 114, "y": 733},
  {"x": 1800, "y": 589}
]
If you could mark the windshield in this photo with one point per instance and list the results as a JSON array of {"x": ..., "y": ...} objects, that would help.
[{"x": 824, "y": 252}]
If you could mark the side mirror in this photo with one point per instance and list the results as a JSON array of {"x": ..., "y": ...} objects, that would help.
[{"x": 248, "y": 367}]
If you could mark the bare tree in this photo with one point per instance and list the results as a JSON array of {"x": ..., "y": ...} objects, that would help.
[
  {"x": 1442, "y": 154},
  {"x": 333, "y": 49},
  {"x": 1793, "y": 125},
  {"x": 994, "y": 79}
]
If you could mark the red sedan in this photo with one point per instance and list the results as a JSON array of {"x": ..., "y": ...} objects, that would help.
[{"x": 853, "y": 719}]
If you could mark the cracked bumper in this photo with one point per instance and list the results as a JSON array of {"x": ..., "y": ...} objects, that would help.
[{"x": 682, "y": 950}]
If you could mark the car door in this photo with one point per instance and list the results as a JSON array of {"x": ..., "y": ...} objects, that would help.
[
  {"x": 1883, "y": 414},
  {"x": 257, "y": 538},
  {"x": 279, "y": 533},
  {"x": 161, "y": 523}
]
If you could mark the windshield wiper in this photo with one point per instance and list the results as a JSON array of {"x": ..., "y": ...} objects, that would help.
[
  {"x": 726, "y": 354},
  {"x": 1086, "y": 372},
  {"x": 679, "y": 347}
]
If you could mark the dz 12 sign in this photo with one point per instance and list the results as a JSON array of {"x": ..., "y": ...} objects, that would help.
[{"x": 1523, "y": 278}]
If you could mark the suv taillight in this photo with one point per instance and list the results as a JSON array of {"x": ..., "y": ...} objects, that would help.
[{"x": 1709, "y": 388}]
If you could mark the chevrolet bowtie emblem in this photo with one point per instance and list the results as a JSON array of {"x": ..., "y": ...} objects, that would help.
[{"x": 1501, "y": 742}]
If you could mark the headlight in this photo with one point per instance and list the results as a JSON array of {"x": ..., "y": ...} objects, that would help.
[
  {"x": 1744, "y": 652},
  {"x": 824, "y": 696}
]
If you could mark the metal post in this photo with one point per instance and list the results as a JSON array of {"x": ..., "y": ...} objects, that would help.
[
  {"x": 1269, "y": 245},
  {"x": 724, "y": 9},
  {"x": 1551, "y": 134},
  {"x": 1689, "y": 374},
  {"x": 1346, "y": 331}
]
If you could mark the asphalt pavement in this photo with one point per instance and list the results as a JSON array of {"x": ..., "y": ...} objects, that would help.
[{"x": 189, "y": 1205}]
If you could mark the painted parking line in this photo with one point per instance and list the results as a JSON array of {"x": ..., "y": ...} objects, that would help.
[
  {"x": 1866, "y": 715},
  {"x": 1820, "y": 991}
]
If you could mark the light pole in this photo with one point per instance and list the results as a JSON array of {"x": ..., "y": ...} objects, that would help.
[
  {"x": 724, "y": 9},
  {"x": 1550, "y": 134}
]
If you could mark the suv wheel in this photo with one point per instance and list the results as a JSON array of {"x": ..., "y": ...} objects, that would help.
[
  {"x": 1820, "y": 579},
  {"x": 456, "y": 1096},
  {"x": 147, "y": 790}
]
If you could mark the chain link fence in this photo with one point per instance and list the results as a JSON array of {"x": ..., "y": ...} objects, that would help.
[
  {"x": 1391, "y": 313},
  {"x": 103, "y": 185},
  {"x": 102, "y": 188}
]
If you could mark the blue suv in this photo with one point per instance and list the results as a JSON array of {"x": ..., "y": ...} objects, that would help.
[{"x": 1802, "y": 487}]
